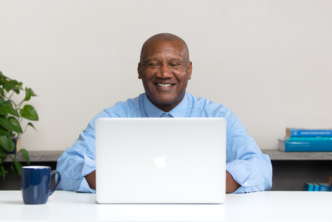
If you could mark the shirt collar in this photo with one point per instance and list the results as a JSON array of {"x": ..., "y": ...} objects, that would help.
[{"x": 179, "y": 111}]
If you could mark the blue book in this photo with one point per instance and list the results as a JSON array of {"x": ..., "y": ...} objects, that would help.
[
  {"x": 307, "y": 138},
  {"x": 305, "y": 146},
  {"x": 293, "y": 132},
  {"x": 308, "y": 187},
  {"x": 316, "y": 187},
  {"x": 323, "y": 187}
]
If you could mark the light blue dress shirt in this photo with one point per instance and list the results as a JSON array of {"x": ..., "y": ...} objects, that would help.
[{"x": 244, "y": 160}]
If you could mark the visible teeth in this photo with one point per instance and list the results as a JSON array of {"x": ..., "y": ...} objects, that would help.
[{"x": 164, "y": 85}]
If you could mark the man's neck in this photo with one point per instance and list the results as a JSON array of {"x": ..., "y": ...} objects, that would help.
[{"x": 168, "y": 107}]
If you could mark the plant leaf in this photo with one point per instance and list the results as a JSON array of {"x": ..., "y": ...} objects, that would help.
[
  {"x": 9, "y": 103},
  {"x": 18, "y": 167},
  {"x": 2, "y": 102},
  {"x": 3, "y": 171},
  {"x": 2, "y": 154},
  {"x": 4, "y": 122},
  {"x": 25, "y": 155},
  {"x": 2, "y": 110},
  {"x": 4, "y": 131},
  {"x": 3, "y": 142},
  {"x": 28, "y": 112},
  {"x": 1, "y": 160},
  {"x": 12, "y": 84},
  {"x": 30, "y": 124},
  {"x": 32, "y": 92},
  {"x": 7, "y": 143},
  {"x": 28, "y": 93},
  {"x": 11, "y": 144},
  {"x": 14, "y": 125},
  {"x": 16, "y": 90},
  {"x": 11, "y": 110}
]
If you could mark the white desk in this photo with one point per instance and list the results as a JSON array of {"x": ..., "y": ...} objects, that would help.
[{"x": 262, "y": 206}]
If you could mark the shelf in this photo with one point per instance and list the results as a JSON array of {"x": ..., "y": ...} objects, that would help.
[
  {"x": 280, "y": 155},
  {"x": 38, "y": 156},
  {"x": 53, "y": 156}
]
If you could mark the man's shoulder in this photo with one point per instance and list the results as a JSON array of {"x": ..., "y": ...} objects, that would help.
[
  {"x": 131, "y": 107},
  {"x": 206, "y": 106}
]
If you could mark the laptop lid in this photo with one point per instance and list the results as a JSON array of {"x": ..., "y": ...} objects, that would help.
[{"x": 160, "y": 160}]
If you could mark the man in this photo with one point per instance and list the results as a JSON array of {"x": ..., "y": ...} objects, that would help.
[{"x": 165, "y": 69}]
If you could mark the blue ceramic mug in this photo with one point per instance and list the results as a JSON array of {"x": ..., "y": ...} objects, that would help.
[{"x": 36, "y": 181}]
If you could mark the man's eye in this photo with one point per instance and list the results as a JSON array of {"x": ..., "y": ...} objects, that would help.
[
  {"x": 153, "y": 64},
  {"x": 174, "y": 64}
]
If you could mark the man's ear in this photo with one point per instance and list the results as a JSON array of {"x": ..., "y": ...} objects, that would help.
[
  {"x": 190, "y": 69},
  {"x": 139, "y": 70}
]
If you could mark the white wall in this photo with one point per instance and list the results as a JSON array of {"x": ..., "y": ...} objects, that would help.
[{"x": 268, "y": 61}]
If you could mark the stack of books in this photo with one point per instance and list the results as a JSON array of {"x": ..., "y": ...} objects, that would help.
[
  {"x": 319, "y": 187},
  {"x": 306, "y": 140}
]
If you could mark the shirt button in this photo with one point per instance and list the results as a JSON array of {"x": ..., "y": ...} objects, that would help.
[{"x": 245, "y": 184}]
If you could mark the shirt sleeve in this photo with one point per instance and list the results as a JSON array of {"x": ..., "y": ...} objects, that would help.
[
  {"x": 244, "y": 160},
  {"x": 79, "y": 160}
]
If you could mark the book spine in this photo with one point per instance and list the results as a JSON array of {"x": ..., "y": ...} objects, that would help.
[
  {"x": 308, "y": 146},
  {"x": 316, "y": 187},
  {"x": 308, "y": 133},
  {"x": 307, "y": 138},
  {"x": 323, "y": 187},
  {"x": 308, "y": 187}
]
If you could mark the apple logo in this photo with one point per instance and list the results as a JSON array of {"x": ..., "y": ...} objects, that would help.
[{"x": 160, "y": 161}]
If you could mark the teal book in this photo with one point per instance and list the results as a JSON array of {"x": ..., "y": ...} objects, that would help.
[
  {"x": 308, "y": 187},
  {"x": 286, "y": 138},
  {"x": 316, "y": 187},
  {"x": 305, "y": 146}
]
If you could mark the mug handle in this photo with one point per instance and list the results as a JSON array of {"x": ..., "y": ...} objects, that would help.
[{"x": 56, "y": 185}]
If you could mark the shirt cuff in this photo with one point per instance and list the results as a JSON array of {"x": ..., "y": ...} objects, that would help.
[
  {"x": 241, "y": 174},
  {"x": 88, "y": 167},
  {"x": 239, "y": 171},
  {"x": 257, "y": 188},
  {"x": 85, "y": 188}
]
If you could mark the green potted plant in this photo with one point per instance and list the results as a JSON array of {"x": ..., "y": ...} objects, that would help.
[{"x": 11, "y": 115}]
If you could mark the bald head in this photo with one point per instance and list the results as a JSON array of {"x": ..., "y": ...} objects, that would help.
[
  {"x": 165, "y": 69},
  {"x": 168, "y": 38}
]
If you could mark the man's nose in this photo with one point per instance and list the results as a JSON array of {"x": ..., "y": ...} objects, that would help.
[{"x": 165, "y": 72}]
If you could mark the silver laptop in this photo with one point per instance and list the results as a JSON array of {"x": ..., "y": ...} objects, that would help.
[{"x": 160, "y": 160}]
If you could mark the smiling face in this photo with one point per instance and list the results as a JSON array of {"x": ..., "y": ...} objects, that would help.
[{"x": 165, "y": 69}]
